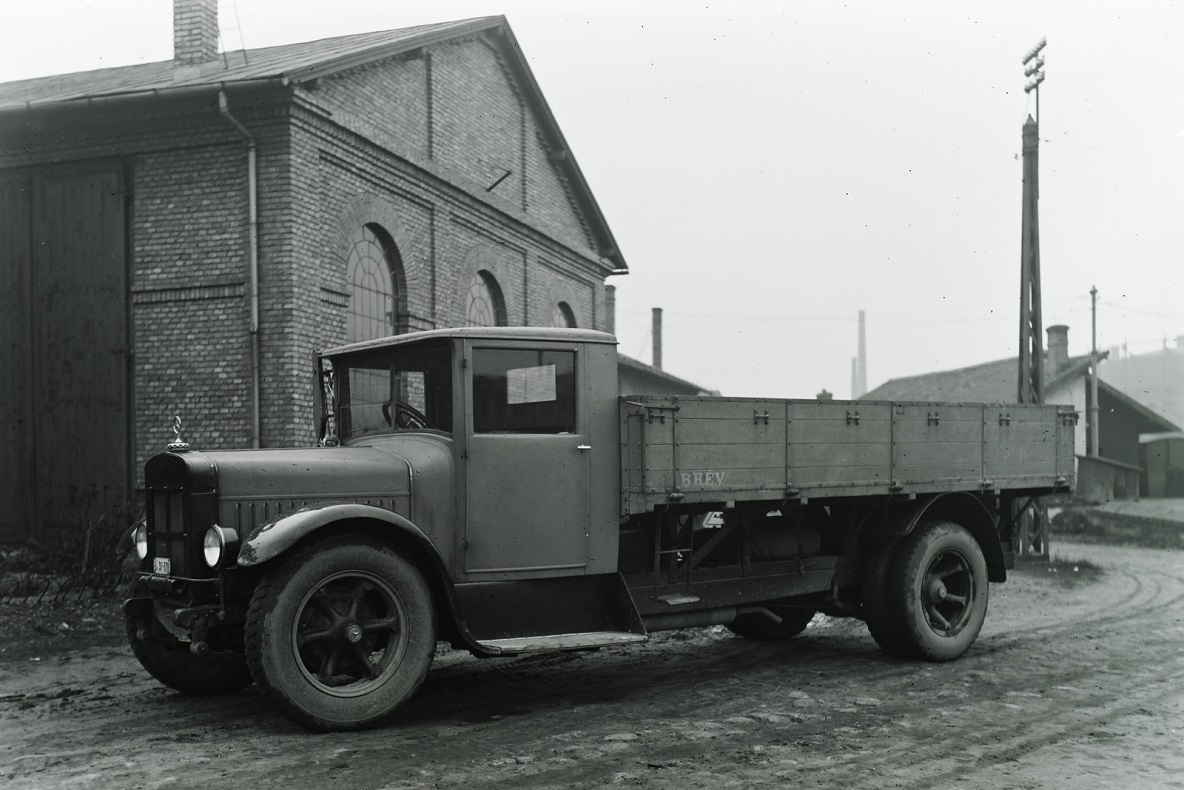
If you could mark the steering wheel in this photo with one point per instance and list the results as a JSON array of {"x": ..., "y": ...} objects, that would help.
[{"x": 406, "y": 416}]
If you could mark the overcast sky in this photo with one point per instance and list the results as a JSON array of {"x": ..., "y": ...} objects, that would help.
[{"x": 771, "y": 168}]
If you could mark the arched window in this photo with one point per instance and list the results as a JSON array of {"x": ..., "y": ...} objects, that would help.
[
  {"x": 563, "y": 316},
  {"x": 373, "y": 270},
  {"x": 484, "y": 305}
]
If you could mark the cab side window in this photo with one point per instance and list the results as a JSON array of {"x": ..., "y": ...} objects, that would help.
[{"x": 524, "y": 391}]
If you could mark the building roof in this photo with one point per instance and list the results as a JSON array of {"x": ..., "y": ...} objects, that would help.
[
  {"x": 1152, "y": 422},
  {"x": 998, "y": 382},
  {"x": 659, "y": 375},
  {"x": 293, "y": 64},
  {"x": 990, "y": 382}
]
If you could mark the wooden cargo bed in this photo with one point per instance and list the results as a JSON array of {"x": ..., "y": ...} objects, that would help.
[{"x": 714, "y": 450}]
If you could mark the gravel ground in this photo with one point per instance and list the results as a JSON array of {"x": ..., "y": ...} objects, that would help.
[{"x": 1077, "y": 681}]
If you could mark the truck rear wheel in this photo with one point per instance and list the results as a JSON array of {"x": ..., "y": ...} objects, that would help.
[
  {"x": 874, "y": 596},
  {"x": 341, "y": 634},
  {"x": 755, "y": 625},
  {"x": 937, "y": 591},
  {"x": 175, "y": 666}
]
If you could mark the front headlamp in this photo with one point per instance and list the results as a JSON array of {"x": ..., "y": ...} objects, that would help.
[
  {"x": 141, "y": 538},
  {"x": 219, "y": 543}
]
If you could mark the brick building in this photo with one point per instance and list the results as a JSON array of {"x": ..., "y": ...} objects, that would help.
[{"x": 178, "y": 237}]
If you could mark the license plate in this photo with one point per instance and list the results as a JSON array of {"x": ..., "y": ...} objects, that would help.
[{"x": 161, "y": 566}]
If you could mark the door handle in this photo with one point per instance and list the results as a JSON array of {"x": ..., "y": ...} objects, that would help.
[{"x": 584, "y": 447}]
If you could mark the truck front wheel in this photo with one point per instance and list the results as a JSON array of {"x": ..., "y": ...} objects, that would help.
[
  {"x": 174, "y": 665},
  {"x": 341, "y": 634},
  {"x": 936, "y": 595}
]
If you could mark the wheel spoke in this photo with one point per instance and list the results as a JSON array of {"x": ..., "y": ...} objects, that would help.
[
  {"x": 954, "y": 567},
  {"x": 316, "y": 636},
  {"x": 936, "y": 615},
  {"x": 328, "y": 665},
  {"x": 386, "y": 624},
  {"x": 359, "y": 592},
  {"x": 320, "y": 601},
  {"x": 364, "y": 658},
  {"x": 958, "y": 599}
]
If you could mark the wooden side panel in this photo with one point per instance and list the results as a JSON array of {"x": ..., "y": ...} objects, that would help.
[
  {"x": 709, "y": 450},
  {"x": 1021, "y": 444},
  {"x": 1066, "y": 444},
  {"x": 937, "y": 442},
  {"x": 16, "y": 425},
  {"x": 839, "y": 444},
  {"x": 701, "y": 449},
  {"x": 79, "y": 293}
]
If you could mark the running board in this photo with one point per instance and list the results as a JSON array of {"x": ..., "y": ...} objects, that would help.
[{"x": 540, "y": 644}]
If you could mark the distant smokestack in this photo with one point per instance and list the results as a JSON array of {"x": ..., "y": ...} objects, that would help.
[
  {"x": 610, "y": 309},
  {"x": 863, "y": 355},
  {"x": 657, "y": 337},
  {"x": 195, "y": 32},
  {"x": 855, "y": 393},
  {"x": 1058, "y": 347}
]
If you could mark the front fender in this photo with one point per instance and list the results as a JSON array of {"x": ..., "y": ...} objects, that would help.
[
  {"x": 268, "y": 541},
  {"x": 272, "y": 539}
]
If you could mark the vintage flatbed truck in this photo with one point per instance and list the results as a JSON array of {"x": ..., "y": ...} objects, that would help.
[{"x": 488, "y": 488}]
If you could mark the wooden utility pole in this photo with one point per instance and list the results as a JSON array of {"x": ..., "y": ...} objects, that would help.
[
  {"x": 1093, "y": 376},
  {"x": 1033, "y": 527},
  {"x": 1031, "y": 378}
]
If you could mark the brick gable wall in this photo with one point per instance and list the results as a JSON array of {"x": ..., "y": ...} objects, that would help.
[{"x": 353, "y": 151}]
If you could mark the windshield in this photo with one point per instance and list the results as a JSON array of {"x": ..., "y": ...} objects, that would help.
[{"x": 402, "y": 388}]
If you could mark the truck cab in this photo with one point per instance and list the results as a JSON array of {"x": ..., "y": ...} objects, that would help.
[{"x": 483, "y": 462}]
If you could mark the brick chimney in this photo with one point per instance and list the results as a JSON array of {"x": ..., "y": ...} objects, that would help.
[
  {"x": 610, "y": 309},
  {"x": 195, "y": 33},
  {"x": 1058, "y": 347},
  {"x": 657, "y": 360}
]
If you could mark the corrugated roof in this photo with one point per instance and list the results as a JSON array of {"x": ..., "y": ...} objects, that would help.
[{"x": 285, "y": 63}]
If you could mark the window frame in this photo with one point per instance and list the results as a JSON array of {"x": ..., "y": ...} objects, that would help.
[{"x": 472, "y": 347}]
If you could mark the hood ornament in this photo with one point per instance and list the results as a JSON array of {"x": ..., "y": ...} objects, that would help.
[{"x": 177, "y": 445}]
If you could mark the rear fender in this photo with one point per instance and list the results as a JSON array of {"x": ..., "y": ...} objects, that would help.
[{"x": 961, "y": 508}]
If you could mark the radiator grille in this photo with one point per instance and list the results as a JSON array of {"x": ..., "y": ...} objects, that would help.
[{"x": 177, "y": 521}]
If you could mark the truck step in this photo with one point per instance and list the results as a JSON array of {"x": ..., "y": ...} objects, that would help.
[{"x": 540, "y": 644}]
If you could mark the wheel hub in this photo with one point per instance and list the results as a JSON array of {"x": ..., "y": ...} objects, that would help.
[
  {"x": 353, "y": 633},
  {"x": 937, "y": 591}
]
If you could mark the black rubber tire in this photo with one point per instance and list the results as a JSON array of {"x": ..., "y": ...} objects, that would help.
[
  {"x": 173, "y": 665},
  {"x": 938, "y": 574},
  {"x": 755, "y": 625},
  {"x": 398, "y": 607},
  {"x": 879, "y": 555}
]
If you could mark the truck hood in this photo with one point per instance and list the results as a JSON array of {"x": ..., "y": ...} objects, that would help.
[
  {"x": 409, "y": 473},
  {"x": 313, "y": 473}
]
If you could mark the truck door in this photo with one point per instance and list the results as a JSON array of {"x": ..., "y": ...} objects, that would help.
[{"x": 528, "y": 458}]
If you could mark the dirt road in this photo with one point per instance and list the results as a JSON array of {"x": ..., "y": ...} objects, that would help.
[{"x": 1078, "y": 686}]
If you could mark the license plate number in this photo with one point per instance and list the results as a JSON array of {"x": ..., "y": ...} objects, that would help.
[{"x": 162, "y": 566}]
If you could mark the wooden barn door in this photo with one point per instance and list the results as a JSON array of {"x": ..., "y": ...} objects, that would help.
[
  {"x": 16, "y": 398},
  {"x": 63, "y": 349},
  {"x": 79, "y": 293}
]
